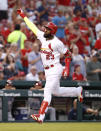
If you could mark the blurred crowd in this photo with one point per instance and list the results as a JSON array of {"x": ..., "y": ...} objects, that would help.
[{"x": 79, "y": 28}]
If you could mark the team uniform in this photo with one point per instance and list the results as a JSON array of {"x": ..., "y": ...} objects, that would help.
[{"x": 50, "y": 55}]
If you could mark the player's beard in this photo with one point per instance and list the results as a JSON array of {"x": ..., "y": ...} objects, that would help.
[{"x": 47, "y": 35}]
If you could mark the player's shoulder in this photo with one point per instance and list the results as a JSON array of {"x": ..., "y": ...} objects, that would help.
[
  {"x": 58, "y": 41},
  {"x": 40, "y": 35}
]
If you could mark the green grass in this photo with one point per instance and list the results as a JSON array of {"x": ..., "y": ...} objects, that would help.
[{"x": 50, "y": 127}]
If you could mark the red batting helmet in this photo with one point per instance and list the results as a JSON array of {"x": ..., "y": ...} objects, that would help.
[{"x": 52, "y": 26}]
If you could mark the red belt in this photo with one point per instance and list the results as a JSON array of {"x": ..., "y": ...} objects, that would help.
[{"x": 47, "y": 67}]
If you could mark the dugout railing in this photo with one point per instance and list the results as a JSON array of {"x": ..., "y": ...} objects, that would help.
[{"x": 92, "y": 91}]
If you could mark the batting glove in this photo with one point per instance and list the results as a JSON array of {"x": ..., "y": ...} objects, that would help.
[{"x": 21, "y": 13}]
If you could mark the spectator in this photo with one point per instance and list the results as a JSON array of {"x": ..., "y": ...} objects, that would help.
[
  {"x": 9, "y": 66},
  {"x": 98, "y": 27},
  {"x": 52, "y": 2},
  {"x": 15, "y": 52},
  {"x": 77, "y": 16},
  {"x": 93, "y": 68},
  {"x": 41, "y": 76},
  {"x": 11, "y": 3},
  {"x": 98, "y": 42},
  {"x": 25, "y": 30},
  {"x": 92, "y": 20},
  {"x": 17, "y": 37},
  {"x": 98, "y": 7},
  {"x": 1, "y": 75},
  {"x": 91, "y": 38},
  {"x": 14, "y": 77},
  {"x": 32, "y": 12},
  {"x": 2, "y": 54},
  {"x": 84, "y": 29},
  {"x": 69, "y": 30},
  {"x": 62, "y": 4},
  {"x": 77, "y": 74},
  {"x": 61, "y": 22},
  {"x": 89, "y": 6},
  {"x": 78, "y": 6},
  {"x": 34, "y": 58},
  {"x": 37, "y": 86},
  {"x": 78, "y": 59},
  {"x": 76, "y": 38},
  {"x": 38, "y": 3},
  {"x": 1, "y": 67},
  {"x": 6, "y": 50},
  {"x": 21, "y": 75},
  {"x": 14, "y": 15},
  {"x": 9, "y": 85},
  {"x": 72, "y": 115},
  {"x": 32, "y": 75},
  {"x": 43, "y": 11},
  {"x": 2, "y": 41},
  {"x": 6, "y": 28},
  {"x": 53, "y": 7},
  {"x": 24, "y": 55}
]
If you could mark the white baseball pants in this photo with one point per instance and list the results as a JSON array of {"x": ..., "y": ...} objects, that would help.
[{"x": 52, "y": 85}]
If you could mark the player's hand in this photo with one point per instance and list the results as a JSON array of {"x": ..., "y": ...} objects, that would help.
[{"x": 21, "y": 13}]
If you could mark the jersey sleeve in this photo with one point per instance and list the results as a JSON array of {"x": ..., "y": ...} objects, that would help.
[
  {"x": 31, "y": 25},
  {"x": 34, "y": 29},
  {"x": 61, "y": 48},
  {"x": 40, "y": 35}
]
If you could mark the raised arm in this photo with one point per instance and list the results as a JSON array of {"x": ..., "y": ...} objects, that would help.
[{"x": 32, "y": 26}]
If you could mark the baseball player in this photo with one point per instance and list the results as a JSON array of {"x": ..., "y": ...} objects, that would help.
[{"x": 51, "y": 49}]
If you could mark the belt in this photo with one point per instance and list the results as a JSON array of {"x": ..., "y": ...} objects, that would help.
[{"x": 48, "y": 67}]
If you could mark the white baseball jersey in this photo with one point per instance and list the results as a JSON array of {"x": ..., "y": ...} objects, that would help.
[{"x": 51, "y": 49}]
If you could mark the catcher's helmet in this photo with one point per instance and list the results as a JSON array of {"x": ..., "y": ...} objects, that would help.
[{"x": 52, "y": 26}]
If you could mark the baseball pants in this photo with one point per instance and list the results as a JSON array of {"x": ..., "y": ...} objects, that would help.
[{"x": 52, "y": 86}]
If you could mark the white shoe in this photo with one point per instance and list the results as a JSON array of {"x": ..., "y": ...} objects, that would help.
[{"x": 36, "y": 117}]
